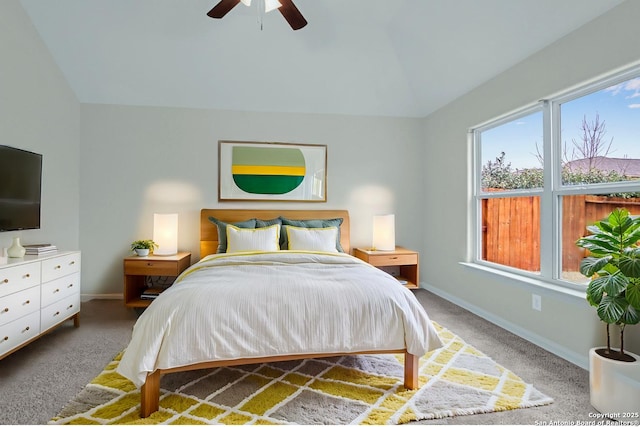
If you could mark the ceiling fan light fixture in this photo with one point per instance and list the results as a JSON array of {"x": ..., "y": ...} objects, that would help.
[
  {"x": 270, "y": 5},
  {"x": 286, "y": 7}
]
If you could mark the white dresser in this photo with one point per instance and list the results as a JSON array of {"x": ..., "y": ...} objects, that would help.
[{"x": 37, "y": 293}]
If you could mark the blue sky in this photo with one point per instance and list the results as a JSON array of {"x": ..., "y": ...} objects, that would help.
[{"x": 617, "y": 106}]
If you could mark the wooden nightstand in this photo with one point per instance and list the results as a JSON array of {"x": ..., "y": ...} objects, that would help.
[
  {"x": 137, "y": 268},
  {"x": 405, "y": 259}
]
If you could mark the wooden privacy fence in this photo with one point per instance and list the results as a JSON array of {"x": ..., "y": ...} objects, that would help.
[{"x": 511, "y": 228}]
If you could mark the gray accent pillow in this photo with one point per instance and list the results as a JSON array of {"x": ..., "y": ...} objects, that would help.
[
  {"x": 222, "y": 231},
  {"x": 260, "y": 223}
]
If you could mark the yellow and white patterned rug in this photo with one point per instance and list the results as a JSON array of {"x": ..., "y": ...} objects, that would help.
[{"x": 455, "y": 380}]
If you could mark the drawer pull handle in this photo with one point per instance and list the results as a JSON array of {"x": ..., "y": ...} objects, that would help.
[
  {"x": 27, "y": 275},
  {"x": 5, "y": 281},
  {"x": 56, "y": 313},
  {"x": 5, "y": 310},
  {"x": 70, "y": 285},
  {"x": 57, "y": 267},
  {"x": 150, "y": 264},
  {"x": 70, "y": 307},
  {"x": 27, "y": 302},
  {"x": 5, "y": 339},
  {"x": 72, "y": 263},
  {"x": 394, "y": 257},
  {"x": 57, "y": 290},
  {"x": 25, "y": 329}
]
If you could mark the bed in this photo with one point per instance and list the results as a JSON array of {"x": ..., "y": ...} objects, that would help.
[{"x": 258, "y": 304}]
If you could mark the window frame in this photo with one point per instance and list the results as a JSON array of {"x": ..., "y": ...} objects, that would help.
[{"x": 553, "y": 189}]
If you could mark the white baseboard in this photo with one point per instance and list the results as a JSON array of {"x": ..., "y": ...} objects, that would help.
[
  {"x": 551, "y": 346},
  {"x": 89, "y": 297}
]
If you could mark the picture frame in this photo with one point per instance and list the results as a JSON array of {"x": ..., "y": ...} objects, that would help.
[{"x": 271, "y": 171}]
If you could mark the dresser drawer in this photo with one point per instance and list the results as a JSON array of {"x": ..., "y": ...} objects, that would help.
[
  {"x": 58, "y": 311},
  {"x": 152, "y": 267},
  {"x": 14, "y": 279},
  {"x": 19, "y": 304},
  {"x": 54, "y": 268},
  {"x": 393, "y": 259},
  {"x": 58, "y": 289},
  {"x": 20, "y": 330}
]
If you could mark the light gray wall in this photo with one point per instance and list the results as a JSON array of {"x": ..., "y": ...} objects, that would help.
[
  {"x": 100, "y": 195},
  {"x": 137, "y": 161},
  {"x": 39, "y": 112},
  {"x": 567, "y": 325}
]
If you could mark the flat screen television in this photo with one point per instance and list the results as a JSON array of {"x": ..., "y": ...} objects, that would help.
[{"x": 20, "y": 189}]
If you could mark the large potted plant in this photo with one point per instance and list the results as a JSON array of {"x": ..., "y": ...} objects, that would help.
[{"x": 613, "y": 265}]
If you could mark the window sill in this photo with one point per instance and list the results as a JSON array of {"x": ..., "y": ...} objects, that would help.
[{"x": 529, "y": 282}]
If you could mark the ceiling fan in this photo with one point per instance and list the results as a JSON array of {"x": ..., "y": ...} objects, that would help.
[{"x": 286, "y": 8}]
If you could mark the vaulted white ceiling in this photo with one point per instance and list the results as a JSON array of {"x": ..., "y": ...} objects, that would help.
[{"x": 366, "y": 57}]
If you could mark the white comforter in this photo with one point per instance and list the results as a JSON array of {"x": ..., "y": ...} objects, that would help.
[{"x": 275, "y": 303}]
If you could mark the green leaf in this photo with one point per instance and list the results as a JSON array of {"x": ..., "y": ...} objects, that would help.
[
  {"x": 595, "y": 291},
  {"x": 633, "y": 294},
  {"x": 629, "y": 264},
  {"x": 633, "y": 235},
  {"x": 618, "y": 216},
  {"x": 591, "y": 265},
  {"x": 593, "y": 229},
  {"x": 611, "y": 309},
  {"x": 614, "y": 284},
  {"x": 599, "y": 244},
  {"x": 631, "y": 316}
]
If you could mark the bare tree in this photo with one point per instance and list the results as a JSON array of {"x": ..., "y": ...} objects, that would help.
[{"x": 592, "y": 145}]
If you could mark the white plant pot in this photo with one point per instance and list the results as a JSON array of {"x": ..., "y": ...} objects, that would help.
[
  {"x": 142, "y": 252},
  {"x": 614, "y": 386}
]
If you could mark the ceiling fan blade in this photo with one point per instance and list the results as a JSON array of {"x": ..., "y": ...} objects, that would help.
[
  {"x": 222, "y": 8},
  {"x": 292, "y": 14}
]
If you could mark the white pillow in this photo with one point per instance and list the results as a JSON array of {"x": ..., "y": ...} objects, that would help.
[
  {"x": 312, "y": 239},
  {"x": 253, "y": 239}
]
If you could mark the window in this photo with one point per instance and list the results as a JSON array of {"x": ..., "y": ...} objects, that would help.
[
  {"x": 511, "y": 180},
  {"x": 544, "y": 173}
]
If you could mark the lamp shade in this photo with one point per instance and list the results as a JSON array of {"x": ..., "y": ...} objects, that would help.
[
  {"x": 384, "y": 232},
  {"x": 165, "y": 234}
]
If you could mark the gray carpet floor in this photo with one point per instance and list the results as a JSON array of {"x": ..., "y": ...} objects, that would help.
[{"x": 38, "y": 380}]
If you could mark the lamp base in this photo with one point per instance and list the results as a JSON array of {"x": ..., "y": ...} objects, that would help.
[{"x": 164, "y": 253}]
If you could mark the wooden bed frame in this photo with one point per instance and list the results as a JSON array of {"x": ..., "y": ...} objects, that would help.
[{"x": 150, "y": 391}]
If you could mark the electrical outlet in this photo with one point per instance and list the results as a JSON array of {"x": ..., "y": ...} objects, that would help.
[{"x": 536, "y": 302}]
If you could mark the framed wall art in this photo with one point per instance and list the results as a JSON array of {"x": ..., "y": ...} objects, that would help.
[{"x": 271, "y": 171}]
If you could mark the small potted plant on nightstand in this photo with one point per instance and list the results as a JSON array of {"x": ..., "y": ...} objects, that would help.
[
  {"x": 143, "y": 247},
  {"x": 613, "y": 265}
]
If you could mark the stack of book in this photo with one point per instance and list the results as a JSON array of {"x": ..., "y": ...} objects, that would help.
[
  {"x": 152, "y": 292},
  {"x": 39, "y": 249}
]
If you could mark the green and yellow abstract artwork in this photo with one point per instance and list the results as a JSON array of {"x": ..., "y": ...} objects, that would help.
[
  {"x": 262, "y": 170},
  {"x": 272, "y": 171}
]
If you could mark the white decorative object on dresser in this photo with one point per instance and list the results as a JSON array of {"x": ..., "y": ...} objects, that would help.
[{"x": 37, "y": 293}]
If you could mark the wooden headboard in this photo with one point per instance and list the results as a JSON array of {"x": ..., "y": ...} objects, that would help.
[{"x": 209, "y": 231}]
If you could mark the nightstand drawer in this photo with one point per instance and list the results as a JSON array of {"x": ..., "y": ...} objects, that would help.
[
  {"x": 379, "y": 260},
  {"x": 151, "y": 267}
]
